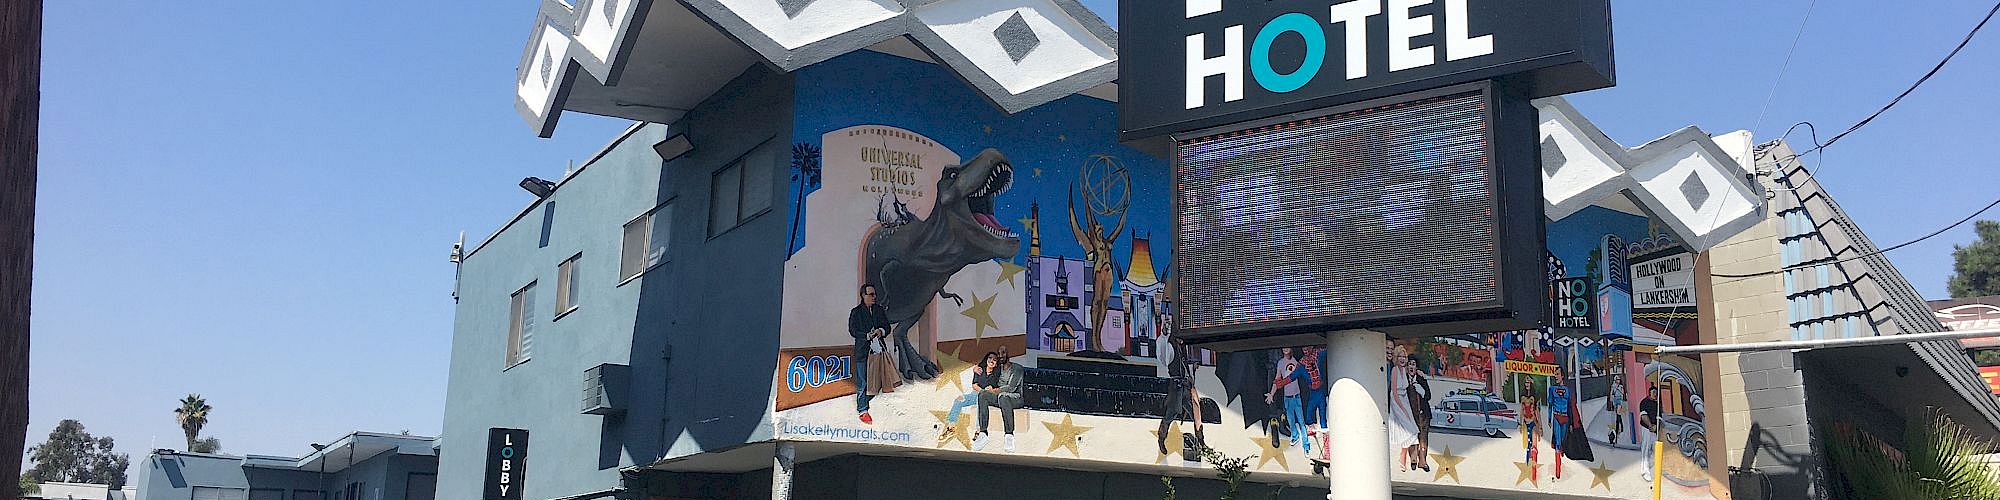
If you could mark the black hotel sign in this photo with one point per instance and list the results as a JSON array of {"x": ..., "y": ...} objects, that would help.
[
  {"x": 506, "y": 463},
  {"x": 1191, "y": 64},
  {"x": 1354, "y": 164}
]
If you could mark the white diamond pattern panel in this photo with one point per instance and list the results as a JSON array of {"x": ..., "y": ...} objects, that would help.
[
  {"x": 1064, "y": 47},
  {"x": 545, "y": 70},
  {"x": 813, "y": 21},
  {"x": 1685, "y": 178}
]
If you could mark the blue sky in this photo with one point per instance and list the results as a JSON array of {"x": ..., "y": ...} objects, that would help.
[{"x": 254, "y": 200}]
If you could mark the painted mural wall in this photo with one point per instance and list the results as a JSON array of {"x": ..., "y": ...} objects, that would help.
[{"x": 966, "y": 280}]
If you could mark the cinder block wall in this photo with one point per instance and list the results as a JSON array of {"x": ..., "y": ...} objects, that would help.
[{"x": 1746, "y": 310}]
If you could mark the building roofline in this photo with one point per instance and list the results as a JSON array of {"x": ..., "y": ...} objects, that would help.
[
  {"x": 1902, "y": 306},
  {"x": 615, "y": 141}
]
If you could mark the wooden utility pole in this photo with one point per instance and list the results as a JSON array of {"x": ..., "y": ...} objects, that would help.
[{"x": 20, "y": 113}]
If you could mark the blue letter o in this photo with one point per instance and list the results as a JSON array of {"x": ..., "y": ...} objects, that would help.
[{"x": 1260, "y": 53}]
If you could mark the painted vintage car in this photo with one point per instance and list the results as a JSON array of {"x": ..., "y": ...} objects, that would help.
[{"x": 1475, "y": 411}]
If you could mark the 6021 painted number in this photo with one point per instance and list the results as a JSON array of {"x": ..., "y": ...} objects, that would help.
[{"x": 814, "y": 371}]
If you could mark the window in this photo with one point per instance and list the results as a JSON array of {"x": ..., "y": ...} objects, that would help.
[
  {"x": 566, "y": 285},
  {"x": 266, "y": 494},
  {"x": 645, "y": 241},
  {"x": 548, "y": 221},
  {"x": 521, "y": 326},
  {"x": 741, "y": 190},
  {"x": 421, "y": 487},
  {"x": 1985, "y": 357},
  {"x": 306, "y": 495}
]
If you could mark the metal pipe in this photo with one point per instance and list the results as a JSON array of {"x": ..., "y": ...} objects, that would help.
[
  {"x": 782, "y": 462},
  {"x": 1906, "y": 338},
  {"x": 595, "y": 494}
]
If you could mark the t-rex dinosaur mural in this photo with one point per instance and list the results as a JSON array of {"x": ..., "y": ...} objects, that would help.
[
  {"x": 1097, "y": 245},
  {"x": 910, "y": 262}
]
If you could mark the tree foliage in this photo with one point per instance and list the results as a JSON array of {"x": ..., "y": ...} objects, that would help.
[
  {"x": 1232, "y": 470},
  {"x": 74, "y": 456},
  {"x": 1941, "y": 461},
  {"x": 206, "y": 445},
  {"x": 29, "y": 486},
  {"x": 192, "y": 415},
  {"x": 1977, "y": 266}
]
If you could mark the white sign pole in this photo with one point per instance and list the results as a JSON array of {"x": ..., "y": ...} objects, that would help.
[{"x": 1356, "y": 363}]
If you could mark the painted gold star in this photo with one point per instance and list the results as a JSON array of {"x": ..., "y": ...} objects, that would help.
[
  {"x": 1528, "y": 473},
  {"x": 1268, "y": 451},
  {"x": 1038, "y": 171},
  {"x": 1175, "y": 443},
  {"x": 950, "y": 368},
  {"x": 1062, "y": 138},
  {"x": 1008, "y": 270},
  {"x": 954, "y": 431},
  {"x": 1447, "y": 465},
  {"x": 1601, "y": 475},
  {"x": 981, "y": 313},
  {"x": 1065, "y": 435},
  {"x": 987, "y": 128}
]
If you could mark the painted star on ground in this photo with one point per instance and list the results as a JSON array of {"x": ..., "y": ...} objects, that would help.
[
  {"x": 1008, "y": 270},
  {"x": 1066, "y": 434},
  {"x": 1601, "y": 475},
  {"x": 1175, "y": 444},
  {"x": 950, "y": 368},
  {"x": 1529, "y": 473},
  {"x": 1268, "y": 451},
  {"x": 955, "y": 431},
  {"x": 1447, "y": 465},
  {"x": 981, "y": 313}
]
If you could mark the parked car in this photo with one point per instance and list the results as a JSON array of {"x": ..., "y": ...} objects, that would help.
[{"x": 1474, "y": 411}]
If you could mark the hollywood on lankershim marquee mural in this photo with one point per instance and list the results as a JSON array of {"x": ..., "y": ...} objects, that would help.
[{"x": 965, "y": 280}]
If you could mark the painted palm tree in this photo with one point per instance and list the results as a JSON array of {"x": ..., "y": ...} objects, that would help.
[
  {"x": 1941, "y": 460},
  {"x": 806, "y": 171},
  {"x": 193, "y": 415}
]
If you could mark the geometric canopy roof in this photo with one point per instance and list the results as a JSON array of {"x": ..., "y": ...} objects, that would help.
[
  {"x": 652, "y": 60},
  {"x": 1686, "y": 180}
]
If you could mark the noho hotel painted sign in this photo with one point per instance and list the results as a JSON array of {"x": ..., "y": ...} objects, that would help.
[{"x": 1241, "y": 60}]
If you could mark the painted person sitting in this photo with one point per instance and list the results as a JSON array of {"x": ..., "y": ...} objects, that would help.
[
  {"x": 980, "y": 382},
  {"x": 1004, "y": 392}
]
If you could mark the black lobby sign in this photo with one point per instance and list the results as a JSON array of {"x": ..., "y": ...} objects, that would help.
[
  {"x": 506, "y": 463},
  {"x": 1217, "y": 62}
]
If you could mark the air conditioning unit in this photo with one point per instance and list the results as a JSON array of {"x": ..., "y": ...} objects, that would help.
[{"x": 604, "y": 389}]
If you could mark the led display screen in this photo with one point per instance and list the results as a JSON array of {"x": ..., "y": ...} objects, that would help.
[{"x": 1380, "y": 216}]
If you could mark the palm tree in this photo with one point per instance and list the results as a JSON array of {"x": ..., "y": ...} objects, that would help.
[
  {"x": 193, "y": 415},
  {"x": 1940, "y": 461}
]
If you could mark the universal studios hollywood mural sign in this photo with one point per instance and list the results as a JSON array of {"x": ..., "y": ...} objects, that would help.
[{"x": 1249, "y": 59}]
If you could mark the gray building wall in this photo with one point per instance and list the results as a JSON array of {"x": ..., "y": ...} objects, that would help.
[
  {"x": 385, "y": 476},
  {"x": 706, "y": 319},
  {"x": 174, "y": 476}
]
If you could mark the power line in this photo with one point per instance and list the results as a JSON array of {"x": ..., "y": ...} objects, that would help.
[
  {"x": 1960, "y": 222},
  {"x": 1786, "y": 66},
  {"x": 1913, "y": 87}
]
